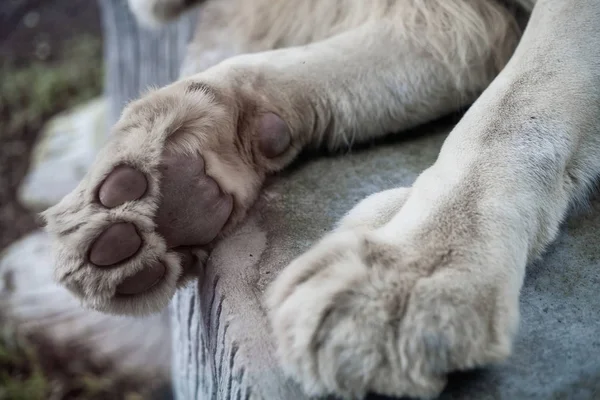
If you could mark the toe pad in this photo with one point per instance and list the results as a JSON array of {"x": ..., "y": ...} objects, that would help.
[
  {"x": 122, "y": 185},
  {"x": 116, "y": 244},
  {"x": 274, "y": 135}
]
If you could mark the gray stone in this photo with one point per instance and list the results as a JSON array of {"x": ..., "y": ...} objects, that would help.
[
  {"x": 65, "y": 150},
  {"x": 222, "y": 346},
  {"x": 31, "y": 300}
]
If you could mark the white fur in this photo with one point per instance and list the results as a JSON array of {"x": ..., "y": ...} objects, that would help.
[{"x": 415, "y": 283}]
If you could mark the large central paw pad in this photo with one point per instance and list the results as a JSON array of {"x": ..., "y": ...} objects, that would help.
[{"x": 192, "y": 212}]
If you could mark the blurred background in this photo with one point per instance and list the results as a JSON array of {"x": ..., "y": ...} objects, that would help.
[
  {"x": 53, "y": 115},
  {"x": 51, "y": 54}
]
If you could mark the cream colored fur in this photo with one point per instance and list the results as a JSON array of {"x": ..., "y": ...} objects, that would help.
[{"x": 415, "y": 283}]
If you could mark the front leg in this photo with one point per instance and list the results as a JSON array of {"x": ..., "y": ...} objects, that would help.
[
  {"x": 396, "y": 308},
  {"x": 186, "y": 162}
]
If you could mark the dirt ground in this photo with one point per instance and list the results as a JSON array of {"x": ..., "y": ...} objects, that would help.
[{"x": 50, "y": 60}]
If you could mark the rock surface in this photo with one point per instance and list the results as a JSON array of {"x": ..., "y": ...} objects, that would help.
[
  {"x": 65, "y": 150},
  {"x": 31, "y": 298},
  {"x": 222, "y": 346}
]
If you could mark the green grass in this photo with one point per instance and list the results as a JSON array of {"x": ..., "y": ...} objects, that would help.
[
  {"x": 30, "y": 94},
  {"x": 21, "y": 375},
  {"x": 34, "y": 369}
]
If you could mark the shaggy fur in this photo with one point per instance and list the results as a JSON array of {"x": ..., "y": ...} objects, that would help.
[{"x": 415, "y": 283}]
